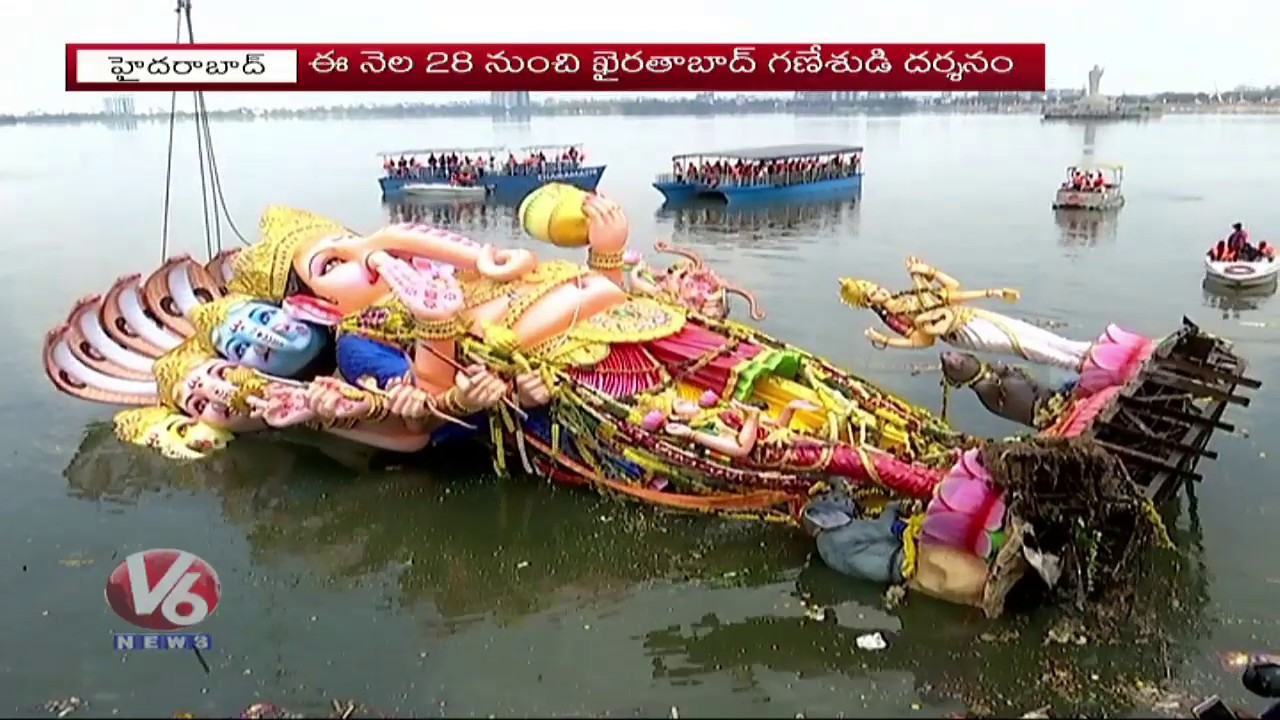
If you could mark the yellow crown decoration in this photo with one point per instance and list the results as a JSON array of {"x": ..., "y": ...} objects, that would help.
[
  {"x": 135, "y": 424},
  {"x": 857, "y": 292},
  {"x": 173, "y": 366},
  {"x": 207, "y": 317},
  {"x": 262, "y": 269}
]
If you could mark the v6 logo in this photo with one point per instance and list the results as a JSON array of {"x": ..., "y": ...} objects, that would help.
[{"x": 163, "y": 589}]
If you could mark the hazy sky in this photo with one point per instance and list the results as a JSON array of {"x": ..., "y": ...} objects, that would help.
[{"x": 1145, "y": 45}]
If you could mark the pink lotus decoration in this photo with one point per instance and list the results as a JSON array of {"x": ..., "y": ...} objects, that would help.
[
  {"x": 654, "y": 420},
  {"x": 1114, "y": 360},
  {"x": 966, "y": 510}
]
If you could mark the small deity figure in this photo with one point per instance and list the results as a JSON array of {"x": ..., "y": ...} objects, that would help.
[
  {"x": 688, "y": 282},
  {"x": 746, "y": 434},
  {"x": 935, "y": 309}
]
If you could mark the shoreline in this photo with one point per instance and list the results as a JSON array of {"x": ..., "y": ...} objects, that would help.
[{"x": 383, "y": 112}]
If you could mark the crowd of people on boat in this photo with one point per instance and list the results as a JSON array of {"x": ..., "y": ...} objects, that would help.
[
  {"x": 466, "y": 169},
  {"x": 777, "y": 171},
  {"x": 1085, "y": 181},
  {"x": 1237, "y": 248}
]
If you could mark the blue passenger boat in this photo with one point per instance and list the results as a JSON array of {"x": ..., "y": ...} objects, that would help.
[
  {"x": 507, "y": 174},
  {"x": 778, "y": 172}
]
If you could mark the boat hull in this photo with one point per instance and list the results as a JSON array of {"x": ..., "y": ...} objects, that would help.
[
  {"x": 510, "y": 188},
  {"x": 1087, "y": 200},
  {"x": 446, "y": 192},
  {"x": 1242, "y": 274},
  {"x": 675, "y": 192}
]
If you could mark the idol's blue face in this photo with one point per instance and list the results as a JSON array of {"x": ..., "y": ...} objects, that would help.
[{"x": 264, "y": 337}]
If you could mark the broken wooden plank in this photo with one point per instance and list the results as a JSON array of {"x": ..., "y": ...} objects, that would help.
[
  {"x": 1195, "y": 387},
  {"x": 1191, "y": 418},
  {"x": 1158, "y": 440},
  {"x": 1150, "y": 461},
  {"x": 1208, "y": 370}
]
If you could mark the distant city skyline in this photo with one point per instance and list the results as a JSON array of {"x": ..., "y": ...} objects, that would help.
[{"x": 1147, "y": 46}]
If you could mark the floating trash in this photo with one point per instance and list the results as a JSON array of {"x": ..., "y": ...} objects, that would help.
[{"x": 872, "y": 641}]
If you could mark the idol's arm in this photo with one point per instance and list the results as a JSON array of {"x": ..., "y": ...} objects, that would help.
[
  {"x": 361, "y": 359},
  {"x": 739, "y": 446},
  {"x": 431, "y": 367},
  {"x": 405, "y": 441},
  {"x": 932, "y": 274},
  {"x": 966, "y": 295}
]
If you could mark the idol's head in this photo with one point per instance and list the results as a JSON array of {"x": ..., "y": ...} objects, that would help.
[{"x": 266, "y": 338}]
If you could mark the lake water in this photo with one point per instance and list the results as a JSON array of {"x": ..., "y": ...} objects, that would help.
[{"x": 440, "y": 589}]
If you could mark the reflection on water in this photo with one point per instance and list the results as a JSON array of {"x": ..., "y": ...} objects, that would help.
[
  {"x": 477, "y": 554},
  {"x": 455, "y": 543},
  {"x": 779, "y": 222},
  {"x": 1085, "y": 228},
  {"x": 477, "y": 216},
  {"x": 1233, "y": 301}
]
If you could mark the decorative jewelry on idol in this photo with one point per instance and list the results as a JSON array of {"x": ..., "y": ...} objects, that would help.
[
  {"x": 605, "y": 261},
  {"x": 438, "y": 329}
]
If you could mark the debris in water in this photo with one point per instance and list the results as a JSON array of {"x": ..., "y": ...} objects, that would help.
[
  {"x": 872, "y": 641},
  {"x": 1040, "y": 714},
  {"x": 75, "y": 561},
  {"x": 675, "y": 714},
  {"x": 64, "y": 707},
  {"x": 522, "y": 564}
]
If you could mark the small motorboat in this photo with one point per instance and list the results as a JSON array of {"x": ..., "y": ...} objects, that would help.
[
  {"x": 1081, "y": 191},
  {"x": 445, "y": 191},
  {"x": 1242, "y": 274}
]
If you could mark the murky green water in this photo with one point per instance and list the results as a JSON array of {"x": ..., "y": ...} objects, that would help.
[{"x": 442, "y": 590}]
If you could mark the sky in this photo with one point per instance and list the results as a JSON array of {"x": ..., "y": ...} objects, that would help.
[{"x": 1145, "y": 45}]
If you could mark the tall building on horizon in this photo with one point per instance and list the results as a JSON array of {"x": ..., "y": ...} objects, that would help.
[
  {"x": 118, "y": 105},
  {"x": 511, "y": 100}
]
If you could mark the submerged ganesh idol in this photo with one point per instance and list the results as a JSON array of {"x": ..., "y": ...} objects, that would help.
[{"x": 574, "y": 353}]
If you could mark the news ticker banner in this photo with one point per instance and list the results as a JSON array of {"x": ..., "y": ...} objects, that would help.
[{"x": 598, "y": 67}]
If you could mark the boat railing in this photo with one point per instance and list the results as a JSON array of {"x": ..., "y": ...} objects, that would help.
[
  {"x": 431, "y": 172},
  {"x": 802, "y": 177}
]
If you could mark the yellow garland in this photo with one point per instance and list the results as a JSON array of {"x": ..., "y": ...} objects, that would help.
[{"x": 910, "y": 537}]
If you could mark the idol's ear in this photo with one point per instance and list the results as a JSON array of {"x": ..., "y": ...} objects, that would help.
[{"x": 312, "y": 310}]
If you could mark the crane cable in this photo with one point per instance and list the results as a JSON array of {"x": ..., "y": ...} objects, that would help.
[{"x": 210, "y": 179}]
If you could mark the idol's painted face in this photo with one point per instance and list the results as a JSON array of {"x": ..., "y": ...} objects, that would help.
[
  {"x": 205, "y": 395},
  {"x": 338, "y": 271},
  {"x": 264, "y": 337},
  {"x": 182, "y": 438}
]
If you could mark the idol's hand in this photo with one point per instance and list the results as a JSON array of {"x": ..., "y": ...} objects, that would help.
[
  {"x": 479, "y": 389},
  {"x": 429, "y": 297},
  {"x": 332, "y": 399},
  {"x": 410, "y": 402},
  {"x": 531, "y": 390},
  {"x": 607, "y": 226},
  {"x": 284, "y": 406}
]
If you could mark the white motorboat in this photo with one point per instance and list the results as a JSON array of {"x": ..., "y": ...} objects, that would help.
[
  {"x": 1242, "y": 274},
  {"x": 445, "y": 191},
  {"x": 1089, "y": 196}
]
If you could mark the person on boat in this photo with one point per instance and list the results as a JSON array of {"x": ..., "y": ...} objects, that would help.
[
  {"x": 388, "y": 166},
  {"x": 1266, "y": 251},
  {"x": 1238, "y": 240},
  {"x": 1218, "y": 253}
]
